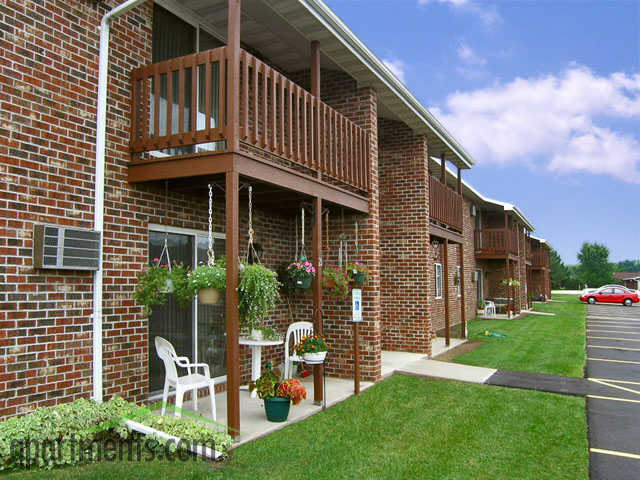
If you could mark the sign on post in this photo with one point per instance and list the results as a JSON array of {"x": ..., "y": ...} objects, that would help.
[{"x": 356, "y": 304}]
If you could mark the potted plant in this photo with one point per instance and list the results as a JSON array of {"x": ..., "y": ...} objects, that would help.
[
  {"x": 153, "y": 286},
  {"x": 312, "y": 348},
  {"x": 278, "y": 394},
  {"x": 335, "y": 282},
  {"x": 258, "y": 292},
  {"x": 358, "y": 273},
  {"x": 302, "y": 273},
  {"x": 209, "y": 281}
]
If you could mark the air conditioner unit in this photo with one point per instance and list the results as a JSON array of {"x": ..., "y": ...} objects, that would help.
[
  {"x": 65, "y": 248},
  {"x": 474, "y": 211}
]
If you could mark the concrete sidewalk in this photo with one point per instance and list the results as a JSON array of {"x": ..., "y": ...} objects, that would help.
[{"x": 446, "y": 370}]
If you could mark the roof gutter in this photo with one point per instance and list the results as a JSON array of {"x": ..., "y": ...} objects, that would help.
[
  {"x": 98, "y": 202},
  {"x": 326, "y": 16}
]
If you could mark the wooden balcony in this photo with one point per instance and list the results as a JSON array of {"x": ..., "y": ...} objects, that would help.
[
  {"x": 180, "y": 110},
  {"x": 445, "y": 205},
  {"x": 540, "y": 260},
  {"x": 496, "y": 243}
]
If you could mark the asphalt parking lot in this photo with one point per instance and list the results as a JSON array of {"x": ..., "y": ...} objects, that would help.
[{"x": 613, "y": 407}]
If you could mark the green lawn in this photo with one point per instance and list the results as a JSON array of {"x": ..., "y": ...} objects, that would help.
[
  {"x": 403, "y": 427},
  {"x": 534, "y": 343}
]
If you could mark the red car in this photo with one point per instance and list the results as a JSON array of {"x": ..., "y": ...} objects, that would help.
[{"x": 609, "y": 294}]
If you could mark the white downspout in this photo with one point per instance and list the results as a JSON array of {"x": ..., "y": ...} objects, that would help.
[{"x": 98, "y": 204}]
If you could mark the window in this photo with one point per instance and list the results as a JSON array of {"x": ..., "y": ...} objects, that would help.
[
  {"x": 438, "y": 272},
  {"x": 459, "y": 280},
  {"x": 196, "y": 331}
]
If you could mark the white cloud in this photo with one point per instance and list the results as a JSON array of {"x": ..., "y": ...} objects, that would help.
[
  {"x": 488, "y": 14},
  {"x": 397, "y": 67},
  {"x": 555, "y": 121},
  {"x": 469, "y": 56}
]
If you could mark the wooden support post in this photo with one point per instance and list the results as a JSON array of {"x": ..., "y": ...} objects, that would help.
[
  {"x": 463, "y": 313},
  {"x": 443, "y": 169},
  {"x": 233, "y": 85},
  {"x": 318, "y": 386},
  {"x": 315, "y": 91},
  {"x": 459, "y": 180},
  {"x": 356, "y": 359},
  {"x": 232, "y": 315},
  {"x": 507, "y": 275},
  {"x": 445, "y": 282}
]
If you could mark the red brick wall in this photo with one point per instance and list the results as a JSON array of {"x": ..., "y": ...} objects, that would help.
[
  {"x": 49, "y": 77},
  {"x": 404, "y": 233}
]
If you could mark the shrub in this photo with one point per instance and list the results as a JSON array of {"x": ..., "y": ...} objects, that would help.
[{"x": 72, "y": 427}]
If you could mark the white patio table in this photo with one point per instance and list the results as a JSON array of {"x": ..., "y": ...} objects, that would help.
[{"x": 256, "y": 357}]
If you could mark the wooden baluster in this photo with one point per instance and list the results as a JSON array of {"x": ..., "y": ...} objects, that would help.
[
  {"x": 274, "y": 110},
  {"x": 194, "y": 97},
  {"x": 207, "y": 96},
  {"x": 297, "y": 92},
  {"x": 156, "y": 104},
  {"x": 331, "y": 165},
  {"x": 245, "y": 95},
  {"x": 169, "y": 106},
  {"x": 290, "y": 116},
  {"x": 265, "y": 95},
  {"x": 222, "y": 97},
  {"x": 304, "y": 128},
  {"x": 282, "y": 137},
  {"x": 256, "y": 94}
]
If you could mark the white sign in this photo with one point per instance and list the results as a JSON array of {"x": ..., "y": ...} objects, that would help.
[{"x": 356, "y": 304}]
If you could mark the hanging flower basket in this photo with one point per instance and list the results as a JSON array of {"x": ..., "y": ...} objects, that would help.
[
  {"x": 358, "y": 273},
  {"x": 335, "y": 282},
  {"x": 209, "y": 281},
  {"x": 302, "y": 273}
]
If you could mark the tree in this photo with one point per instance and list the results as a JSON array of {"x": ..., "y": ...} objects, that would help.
[
  {"x": 628, "y": 266},
  {"x": 594, "y": 269},
  {"x": 559, "y": 272}
]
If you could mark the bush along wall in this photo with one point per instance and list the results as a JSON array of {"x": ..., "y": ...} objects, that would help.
[{"x": 81, "y": 431}]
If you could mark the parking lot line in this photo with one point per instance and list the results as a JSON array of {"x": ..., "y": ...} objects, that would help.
[
  {"x": 616, "y": 338},
  {"x": 602, "y": 382},
  {"x": 612, "y": 331},
  {"x": 600, "y": 397},
  {"x": 610, "y": 325},
  {"x": 615, "y": 452},
  {"x": 613, "y": 348},
  {"x": 609, "y": 360},
  {"x": 628, "y": 382}
]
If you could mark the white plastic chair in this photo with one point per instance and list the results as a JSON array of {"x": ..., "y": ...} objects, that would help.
[
  {"x": 297, "y": 330},
  {"x": 192, "y": 381},
  {"x": 489, "y": 308}
]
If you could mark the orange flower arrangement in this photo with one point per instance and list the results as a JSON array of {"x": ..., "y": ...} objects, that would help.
[
  {"x": 311, "y": 344},
  {"x": 293, "y": 390}
]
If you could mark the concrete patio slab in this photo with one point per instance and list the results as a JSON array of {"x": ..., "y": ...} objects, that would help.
[
  {"x": 253, "y": 420},
  {"x": 392, "y": 360},
  {"x": 450, "y": 371}
]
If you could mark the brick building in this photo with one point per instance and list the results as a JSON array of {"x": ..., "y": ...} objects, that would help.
[{"x": 117, "y": 121}]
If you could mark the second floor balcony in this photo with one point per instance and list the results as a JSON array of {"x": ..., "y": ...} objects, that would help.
[
  {"x": 540, "y": 259},
  {"x": 180, "y": 108},
  {"x": 445, "y": 205},
  {"x": 496, "y": 243}
]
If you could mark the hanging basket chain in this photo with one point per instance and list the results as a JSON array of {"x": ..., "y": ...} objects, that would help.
[
  {"x": 303, "y": 253},
  {"x": 250, "y": 246},
  {"x": 211, "y": 256},
  {"x": 165, "y": 247}
]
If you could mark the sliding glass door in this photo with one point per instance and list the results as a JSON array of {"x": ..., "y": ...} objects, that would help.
[{"x": 196, "y": 331}]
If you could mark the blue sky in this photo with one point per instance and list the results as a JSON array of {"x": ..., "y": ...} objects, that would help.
[{"x": 545, "y": 95}]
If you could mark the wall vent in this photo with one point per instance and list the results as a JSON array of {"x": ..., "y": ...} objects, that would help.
[{"x": 65, "y": 248}]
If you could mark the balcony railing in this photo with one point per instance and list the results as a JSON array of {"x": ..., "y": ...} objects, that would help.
[
  {"x": 496, "y": 241},
  {"x": 540, "y": 259},
  {"x": 180, "y": 106},
  {"x": 445, "y": 205}
]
